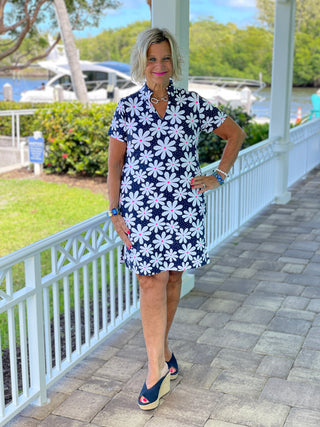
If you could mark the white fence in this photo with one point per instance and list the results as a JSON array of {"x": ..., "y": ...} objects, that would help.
[
  {"x": 15, "y": 123},
  {"x": 60, "y": 297}
]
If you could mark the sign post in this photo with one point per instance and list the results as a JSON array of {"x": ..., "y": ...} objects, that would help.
[{"x": 36, "y": 151}]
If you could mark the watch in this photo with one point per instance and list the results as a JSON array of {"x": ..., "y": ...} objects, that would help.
[{"x": 114, "y": 211}]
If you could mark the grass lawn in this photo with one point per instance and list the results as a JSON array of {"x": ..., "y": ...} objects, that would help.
[{"x": 33, "y": 209}]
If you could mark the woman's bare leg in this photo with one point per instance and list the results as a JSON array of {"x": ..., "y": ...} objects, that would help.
[
  {"x": 173, "y": 298},
  {"x": 153, "y": 308}
]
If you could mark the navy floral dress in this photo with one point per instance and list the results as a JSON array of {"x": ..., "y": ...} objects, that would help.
[{"x": 165, "y": 216}]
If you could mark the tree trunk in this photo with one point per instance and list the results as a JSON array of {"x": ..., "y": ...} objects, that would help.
[{"x": 71, "y": 51}]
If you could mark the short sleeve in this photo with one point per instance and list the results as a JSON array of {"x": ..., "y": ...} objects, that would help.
[
  {"x": 211, "y": 116},
  {"x": 118, "y": 127}
]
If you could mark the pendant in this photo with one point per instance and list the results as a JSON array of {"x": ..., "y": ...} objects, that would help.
[{"x": 156, "y": 100}]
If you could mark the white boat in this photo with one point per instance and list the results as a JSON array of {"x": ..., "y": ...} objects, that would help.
[
  {"x": 105, "y": 82},
  {"x": 110, "y": 81}
]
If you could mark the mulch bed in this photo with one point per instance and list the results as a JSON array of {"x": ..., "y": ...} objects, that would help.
[{"x": 95, "y": 184}]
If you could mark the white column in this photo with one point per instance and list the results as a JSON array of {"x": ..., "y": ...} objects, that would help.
[
  {"x": 174, "y": 15},
  {"x": 281, "y": 88}
]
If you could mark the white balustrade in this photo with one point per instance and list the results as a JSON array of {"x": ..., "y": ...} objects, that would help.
[
  {"x": 72, "y": 291},
  {"x": 15, "y": 123}
]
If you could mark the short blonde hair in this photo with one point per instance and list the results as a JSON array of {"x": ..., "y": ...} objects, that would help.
[{"x": 139, "y": 52}]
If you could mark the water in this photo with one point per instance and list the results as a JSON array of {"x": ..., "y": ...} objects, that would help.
[
  {"x": 301, "y": 97},
  {"x": 19, "y": 85}
]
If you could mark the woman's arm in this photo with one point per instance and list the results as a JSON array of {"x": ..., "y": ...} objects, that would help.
[
  {"x": 117, "y": 152},
  {"x": 234, "y": 135}
]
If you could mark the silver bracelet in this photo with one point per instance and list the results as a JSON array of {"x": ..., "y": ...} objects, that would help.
[{"x": 223, "y": 173}]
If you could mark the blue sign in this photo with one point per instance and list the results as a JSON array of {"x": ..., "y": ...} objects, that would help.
[{"x": 36, "y": 150}]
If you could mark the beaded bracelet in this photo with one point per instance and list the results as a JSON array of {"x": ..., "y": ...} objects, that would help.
[
  {"x": 223, "y": 173},
  {"x": 218, "y": 177}
]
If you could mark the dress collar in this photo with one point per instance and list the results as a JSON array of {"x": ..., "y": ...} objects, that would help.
[{"x": 148, "y": 92}]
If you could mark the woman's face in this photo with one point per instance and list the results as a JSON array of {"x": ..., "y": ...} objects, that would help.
[{"x": 159, "y": 65}]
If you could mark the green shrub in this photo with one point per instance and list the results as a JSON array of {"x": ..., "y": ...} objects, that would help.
[
  {"x": 76, "y": 137},
  {"x": 211, "y": 146}
]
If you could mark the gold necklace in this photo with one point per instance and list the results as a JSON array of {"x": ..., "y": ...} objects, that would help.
[{"x": 156, "y": 100}]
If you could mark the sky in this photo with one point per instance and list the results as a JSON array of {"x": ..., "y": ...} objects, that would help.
[{"x": 239, "y": 12}]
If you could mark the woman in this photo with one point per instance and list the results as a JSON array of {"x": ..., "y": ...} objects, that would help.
[{"x": 155, "y": 189}]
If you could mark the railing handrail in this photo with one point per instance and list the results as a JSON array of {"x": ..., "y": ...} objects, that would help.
[
  {"x": 234, "y": 81},
  {"x": 43, "y": 244},
  {"x": 18, "y": 112}
]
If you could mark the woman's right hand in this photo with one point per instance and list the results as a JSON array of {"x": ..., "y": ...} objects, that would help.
[{"x": 122, "y": 229}]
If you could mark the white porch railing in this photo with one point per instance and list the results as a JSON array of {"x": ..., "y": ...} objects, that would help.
[
  {"x": 15, "y": 123},
  {"x": 60, "y": 297}
]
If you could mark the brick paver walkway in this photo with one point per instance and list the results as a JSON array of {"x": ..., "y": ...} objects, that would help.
[{"x": 247, "y": 339}]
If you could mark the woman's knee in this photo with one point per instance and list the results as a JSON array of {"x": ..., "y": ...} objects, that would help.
[
  {"x": 175, "y": 277},
  {"x": 155, "y": 281}
]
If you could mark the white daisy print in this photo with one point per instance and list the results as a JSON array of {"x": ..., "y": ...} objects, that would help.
[
  {"x": 180, "y": 194},
  {"x": 162, "y": 241},
  {"x": 133, "y": 200},
  {"x": 147, "y": 188},
  {"x": 168, "y": 182},
  {"x": 171, "y": 227},
  {"x": 173, "y": 164},
  {"x": 157, "y": 223},
  {"x": 155, "y": 168},
  {"x": 219, "y": 118},
  {"x": 195, "y": 198},
  {"x": 140, "y": 234},
  {"x": 190, "y": 215},
  {"x": 183, "y": 235},
  {"x": 131, "y": 165},
  {"x": 187, "y": 251},
  {"x": 159, "y": 129},
  {"x": 171, "y": 255},
  {"x": 176, "y": 132},
  {"x": 192, "y": 120},
  {"x": 188, "y": 161},
  {"x": 134, "y": 106},
  {"x": 129, "y": 219},
  {"x": 140, "y": 176},
  {"x": 145, "y": 213},
  {"x": 146, "y": 118},
  {"x": 193, "y": 101},
  {"x": 156, "y": 260},
  {"x": 172, "y": 209},
  {"x": 130, "y": 126},
  {"x": 156, "y": 200},
  {"x": 197, "y": 228},
  {"x": 175, "y": 114},
  {"x": 146, "y": 157},
  {"x": 141, "y": 140},
  {"x": 147, "y": 249},
  {"x": 165, "y": 148}
]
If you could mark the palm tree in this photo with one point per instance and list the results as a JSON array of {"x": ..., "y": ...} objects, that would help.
[{"x": 71, "y": 51}]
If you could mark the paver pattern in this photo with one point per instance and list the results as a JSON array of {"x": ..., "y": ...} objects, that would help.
[{"x": 247, "y": 339}]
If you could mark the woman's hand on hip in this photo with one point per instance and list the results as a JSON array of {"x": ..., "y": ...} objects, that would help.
[
  {"x": 204, "y": 183},
  {"x": 122, "y": 229}
]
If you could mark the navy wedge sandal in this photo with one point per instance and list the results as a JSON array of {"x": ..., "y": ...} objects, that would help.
[
  {"x": 173, "y": 364},
  {"x": 154, "y": 394}
]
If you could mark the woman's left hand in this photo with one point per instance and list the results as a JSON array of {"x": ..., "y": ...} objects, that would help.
[{"x": 204, "y": 183}]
